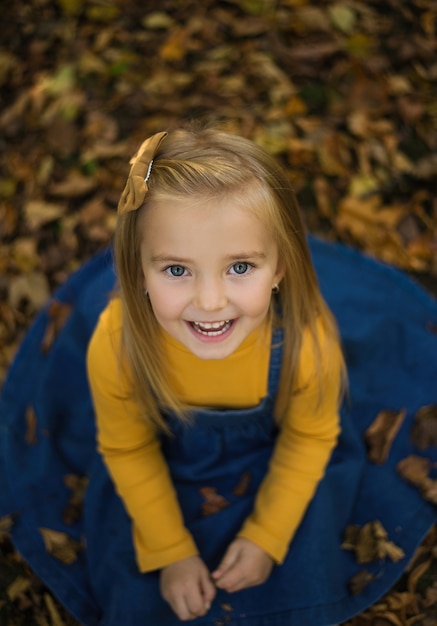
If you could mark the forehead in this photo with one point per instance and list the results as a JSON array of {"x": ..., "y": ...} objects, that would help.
[{"x": 184, "y": 224}]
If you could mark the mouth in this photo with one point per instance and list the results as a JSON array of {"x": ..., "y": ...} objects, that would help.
[{"x": 211, "y": 329}]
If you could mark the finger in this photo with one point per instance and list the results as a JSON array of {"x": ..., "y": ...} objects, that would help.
[
  {"x": 196, "y": 601},
  {"x": 232, "y": 580},
  {"x": 185, "y": 605},
  {"x": 228, "y": 561},
  {"x": 208, "y": 590},
  {"x": 180, "y": 607}
]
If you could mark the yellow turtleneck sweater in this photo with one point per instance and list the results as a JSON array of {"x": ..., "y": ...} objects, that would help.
[{"x": 133, "y": 456}]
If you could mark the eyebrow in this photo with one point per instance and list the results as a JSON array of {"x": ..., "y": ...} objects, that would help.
[{"x": 242, "y": 256}]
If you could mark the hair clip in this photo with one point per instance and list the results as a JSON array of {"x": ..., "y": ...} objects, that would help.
[
  {"x": 149, "y": 171},
  {"x": 136, "y": 187}
]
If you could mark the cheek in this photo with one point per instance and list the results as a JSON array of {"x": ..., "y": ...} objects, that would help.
[
  {"x": 257, "y": 302},
  {"x": 165, "y": 302}
]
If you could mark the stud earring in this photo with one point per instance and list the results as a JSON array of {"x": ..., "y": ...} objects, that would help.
[{"x": 275, "y": 288}]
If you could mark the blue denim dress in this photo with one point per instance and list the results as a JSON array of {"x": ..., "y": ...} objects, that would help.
[{"x": 47, "y": 432}]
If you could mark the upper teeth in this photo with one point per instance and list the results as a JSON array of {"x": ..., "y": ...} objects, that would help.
[
  {"x": 211, "y": 325},
  {"x": 211, "y": 329}
]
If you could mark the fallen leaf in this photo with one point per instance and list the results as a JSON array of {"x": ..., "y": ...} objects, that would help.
[
  {"x": 370, "y": 543},
  {"x": 58, "y": 314},
  {"x": 55, "y": 617},
  {"x": 175, "y": 47},
  {"x": 342, "y": 17},
  {"x": 429, "y": 490},
  {"x": 214, "y": 502},
  {"x": 414, "y": 469},
  {"x": 73, "y": 511},
  {"x": 360, "y": 581},
  {"x": 424, "y": 429},
  {"x": 31, "y": 424},
  {"x": 74, "y": 186},
  {"x": 18, "y": 587},
  {"x": 381, "y": 434},
  {"x": 157, "y": 20},
  {"x": 32, "y": 287},
  {"x": 6, "y": 523},
  {"x": 243, "y": 484},
  {"x": 416, "y": 575},
  {"x": 38, "y": 213},
  {"x": 60, "y": 545},
  {"x": 431, "y": 595}
]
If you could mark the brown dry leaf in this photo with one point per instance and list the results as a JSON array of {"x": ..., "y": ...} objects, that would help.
[
  {"x": 214, "y": 502},
  {"x": 375, "y": 226},
  {"x": 243, "y": 484},
  {"x": 58, "y": 313},
  {"x": 370, "y": 543},
  {"x": 31, "y": 426},
  {"x": 73, "y": 511},
  {"x": 382, "y": 432},
  {"x": 429, "y": 490},
  {"x": 32, "y": 287},
  {"x": 431, "y": 595},
  {"x": 18, "y": 586},
  {"x": 416, "y": 575},
  {"x": 424, "y": 429},
  {"x": 414, "y": 469},
  {"x": 55, "y": 618},
  {"x": 8, "y": 219},
  {"x": 6, "y": 523},
  {"x": 38, "y": 212},
  {"x": 359, "y": 582},
  {"x": 60, "y": 545},
  {"x": 175, "y": 47},
  {"x": 402, "y": 603},
  {"x": 75, "y": 186},
  {"x": 387, "y": 619}
]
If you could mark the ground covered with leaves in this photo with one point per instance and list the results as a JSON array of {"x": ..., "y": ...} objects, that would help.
[{"x": 342, "y": 92}]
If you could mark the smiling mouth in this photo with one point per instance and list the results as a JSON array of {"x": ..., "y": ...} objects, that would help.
[{"x": 211, "y": 329}]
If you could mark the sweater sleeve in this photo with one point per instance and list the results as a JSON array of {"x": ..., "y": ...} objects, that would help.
[
  {"x": 132, "y": 454},
  {"x": 307, "y": 437}
]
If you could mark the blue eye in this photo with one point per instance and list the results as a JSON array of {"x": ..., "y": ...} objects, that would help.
[
  {"x": 176, "y": 270},
  {"x": 240, "y": 268}
]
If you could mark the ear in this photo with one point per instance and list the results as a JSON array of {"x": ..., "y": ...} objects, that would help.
[{"x": 280, "y": 271}]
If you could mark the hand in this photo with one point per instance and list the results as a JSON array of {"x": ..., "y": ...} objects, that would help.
[
  {"x": 186, "y": 585},
  {"x": 244, "y": 565}
]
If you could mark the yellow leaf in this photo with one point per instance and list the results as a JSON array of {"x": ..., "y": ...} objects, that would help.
[
  {"x": 157, "y": 21},
  {"x": 174, "y": 48},
  {"x": 71, "y": 8},
  {"x": 103, "y": 12},
  {"x": 362, "y": 184},
  {"x": 359, "y": 45},
  {"x": 17, "y": 587},
  {"x": 342, "y": 17}
]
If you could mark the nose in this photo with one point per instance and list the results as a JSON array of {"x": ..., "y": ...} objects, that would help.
[{"x": 210, "y": 294}]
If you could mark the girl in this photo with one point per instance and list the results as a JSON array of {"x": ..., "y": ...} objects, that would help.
[{"x": 216, "y": 372}]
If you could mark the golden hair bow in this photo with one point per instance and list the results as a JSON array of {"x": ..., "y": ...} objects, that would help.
[{"x": 141, "y": 165}]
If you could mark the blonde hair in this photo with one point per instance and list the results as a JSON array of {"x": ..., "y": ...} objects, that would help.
[{"x": 209, "y": 164}]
